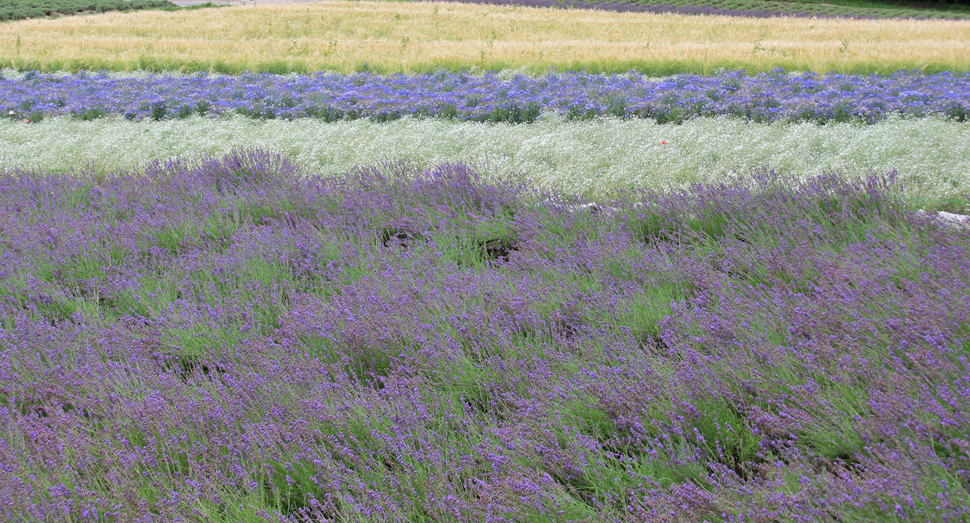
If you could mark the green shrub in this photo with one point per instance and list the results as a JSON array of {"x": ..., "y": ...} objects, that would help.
[{"x": 23, "y": 9}]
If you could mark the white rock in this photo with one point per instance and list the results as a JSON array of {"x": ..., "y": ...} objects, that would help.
[
  {"x": 594, "y": 208},
  {"x": 957, "y": 221}
]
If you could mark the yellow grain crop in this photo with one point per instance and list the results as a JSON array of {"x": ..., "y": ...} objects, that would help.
[{"x": 413, "y": 37}]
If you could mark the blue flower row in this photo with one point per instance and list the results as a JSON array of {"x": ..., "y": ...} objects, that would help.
[{"x": 766, "y": 97}]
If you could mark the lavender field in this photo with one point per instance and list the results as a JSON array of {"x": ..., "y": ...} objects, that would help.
[
  {"x": 485, "y": 293},
  {"x": 746, "y": 8},
  {"x": 230, "y": 339},
  {"x": 489, "y": 97}
]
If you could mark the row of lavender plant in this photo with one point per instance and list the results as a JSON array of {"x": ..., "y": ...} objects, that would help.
[
  {"x": 760, "y": 9},
  {"x": 489, "y": 97},
  {"x": 227, "y": 339}
]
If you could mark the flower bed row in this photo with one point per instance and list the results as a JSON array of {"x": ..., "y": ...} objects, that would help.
[
  {"x": 768, "y": 97},
  {"x": 21, "y": 9},
  {"x": 230, "y": 340},
  {"x": 745, "y": 8}
]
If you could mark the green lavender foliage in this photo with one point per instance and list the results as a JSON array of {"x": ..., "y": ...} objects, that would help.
[{"x": 23, "y": 9}]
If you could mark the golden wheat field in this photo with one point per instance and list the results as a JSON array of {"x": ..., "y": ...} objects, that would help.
[{"x": 346, "y": 36}]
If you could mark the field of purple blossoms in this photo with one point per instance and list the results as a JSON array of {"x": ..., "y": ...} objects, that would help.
[
  {"x": 489, "y": 97},
  {"x": 748, "y": 9},
  {"x": 228, "y": 339}
]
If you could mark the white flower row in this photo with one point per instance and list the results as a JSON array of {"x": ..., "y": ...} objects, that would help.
[{"x": 587, "y": 158}]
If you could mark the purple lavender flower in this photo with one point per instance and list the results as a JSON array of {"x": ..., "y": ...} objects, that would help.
[
  {"x": 764, "y": 97},
  {"x": 231, "y": 338}
]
